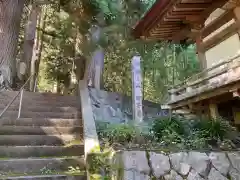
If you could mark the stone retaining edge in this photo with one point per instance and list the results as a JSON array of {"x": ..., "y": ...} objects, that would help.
[{"x": 91, "y": 142}]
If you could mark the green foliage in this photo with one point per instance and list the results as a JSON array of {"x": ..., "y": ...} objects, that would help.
[
  {"x": 169, "y": 133},
  {"x": 168, "y": 126},
  {"x": 121, "y": 133},
  {"x": 195, "y": 140},
  {"x": 161, "y": 68},
  {"x": 163, "y": 64},
  {"x": 214, "y": 128},
  {"x": 58, "y": 54},
  {"x": 198, "y": 134},
  {"x": 99, "y": 162}
]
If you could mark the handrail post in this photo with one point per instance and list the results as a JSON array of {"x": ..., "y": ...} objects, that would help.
[
  {"x": 20, "y": 104},
  {"x": 35, "y": 84},
  {"x": 15, "y": 97}
]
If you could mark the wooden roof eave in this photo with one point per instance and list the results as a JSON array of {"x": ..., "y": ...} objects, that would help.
[
  {"x": 150, "y": 17},
  {"x": 173, "y": 14}
]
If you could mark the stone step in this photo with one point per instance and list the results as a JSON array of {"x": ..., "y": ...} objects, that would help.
[
  {"x": 51, "y": 98},
  {"x": 40, "y": 130},
  {"x": 40, "y": 151},
  {"x": 37, "y": 140},
  {"x": 40, "y": 100},
  {"x": 29, "y": 114},
  {"x": 36, "y": 94},
  {"x": 27, "y": 102},
  {"x": 37, "y": 108},
  {"x": 40, "y": 165},
  {"x": 40, "y": 97},
  {"x": 40, "y": 122},
  {"x": 50, "y": 177}
]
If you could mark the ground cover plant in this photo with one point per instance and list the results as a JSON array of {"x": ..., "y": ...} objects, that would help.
[{"x": 170, "y": 133}]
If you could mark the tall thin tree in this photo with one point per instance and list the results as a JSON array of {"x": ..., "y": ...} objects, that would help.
[
  {"x": 10, "y": 17},
  {"x": 29, "y": 39}
]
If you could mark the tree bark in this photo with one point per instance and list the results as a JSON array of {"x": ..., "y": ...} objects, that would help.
[
  {"x": 37, "y": 53},
  {"x": 97, "y": 61},
  {"x": 10, "y": 18},
  {"x": 58, "y": 87},
  {"x": 28, "y": 45}
]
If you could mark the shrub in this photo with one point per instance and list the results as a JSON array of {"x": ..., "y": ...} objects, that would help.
[
  {"x": 167, "y": 124},
  {"x": 100, "y": 126},
  {"x": 214, "y": 128},
  {"x": 196, "y": 140},
  {"x": 172, "y": 139},
  {"x": 120, "y": 133},
  {"x": 170, "y": 132}
]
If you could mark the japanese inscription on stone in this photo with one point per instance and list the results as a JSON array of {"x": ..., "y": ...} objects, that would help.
[{"x": 137, "y": 89}]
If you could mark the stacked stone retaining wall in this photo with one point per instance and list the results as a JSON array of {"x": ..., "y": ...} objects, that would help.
[{"x": 141, "y": 165}]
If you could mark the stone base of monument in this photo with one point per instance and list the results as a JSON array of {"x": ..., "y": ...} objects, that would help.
[{"x": 116, "y": 108}]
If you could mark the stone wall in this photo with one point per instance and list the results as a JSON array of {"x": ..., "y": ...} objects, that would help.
[
  {"x": 117, "y": 108},
  {"x": 141, "y": 165}
]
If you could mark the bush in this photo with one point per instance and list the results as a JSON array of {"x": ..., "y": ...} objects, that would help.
[
  {"x": 214, "y": 129},
  {"x": 196, "y": 140},
  {"x": 167, "y": 125},
  {"x": 101, "y": 127},
  {"x": 170, "y": 132},
  {"x": 119, "y": 133}
]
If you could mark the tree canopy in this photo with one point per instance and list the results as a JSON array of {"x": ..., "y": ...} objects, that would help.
[
  {"x": 163, "y": 64},
  {"x": 65, "y": 39}
]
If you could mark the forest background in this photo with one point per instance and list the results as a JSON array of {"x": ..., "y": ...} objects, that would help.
[{"x": 49, "y": 41}]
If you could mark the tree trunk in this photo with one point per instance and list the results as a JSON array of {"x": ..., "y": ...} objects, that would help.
[
  {"x": 97, "y": 60},
  {"x": 29, "y": 38},
  {"x": 173, "y": 65},
  {"x": 58, "y": 87},
  {"x": 10, "y": 18},
  {"x": 37, "y": 53}
]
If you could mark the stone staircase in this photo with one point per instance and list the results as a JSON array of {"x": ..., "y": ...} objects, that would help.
[{"x": 46, "y": 142}]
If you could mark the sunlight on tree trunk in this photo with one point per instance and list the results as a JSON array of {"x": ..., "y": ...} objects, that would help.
[
  {"x": 38, "y": 47},
  {"x": 97, "y": 59},
  {"x": 28, "y": 45},
  {"x": 10, "y": 17}
]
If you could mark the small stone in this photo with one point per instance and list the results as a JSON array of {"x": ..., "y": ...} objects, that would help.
[
  {"x": 235, "y": 160},
  {"x": 193, "y": 175},
  {"x": 173, "y": 176},
  {"x": 133, "y": 175},
  {"x": 179, "y": 162},
  {"x": 199, "y": 162},
  {"x": 136, "y": 160},
  {"x": 160, "y": 164},
  {"x": 234, "y": 174},
  {"x": 214, "y": 174},
  {"x": 220, "y": 162}
]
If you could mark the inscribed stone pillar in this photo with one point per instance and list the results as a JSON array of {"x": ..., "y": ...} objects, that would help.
[
  {"x": 137, "y": 89},
  {"x": 98, "y": 59}
]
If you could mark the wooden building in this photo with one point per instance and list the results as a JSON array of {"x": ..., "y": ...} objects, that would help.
[{"x": 214, "y": 25}]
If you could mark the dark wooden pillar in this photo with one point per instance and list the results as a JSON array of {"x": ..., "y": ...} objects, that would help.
[{"x": 201, "y": 52}]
